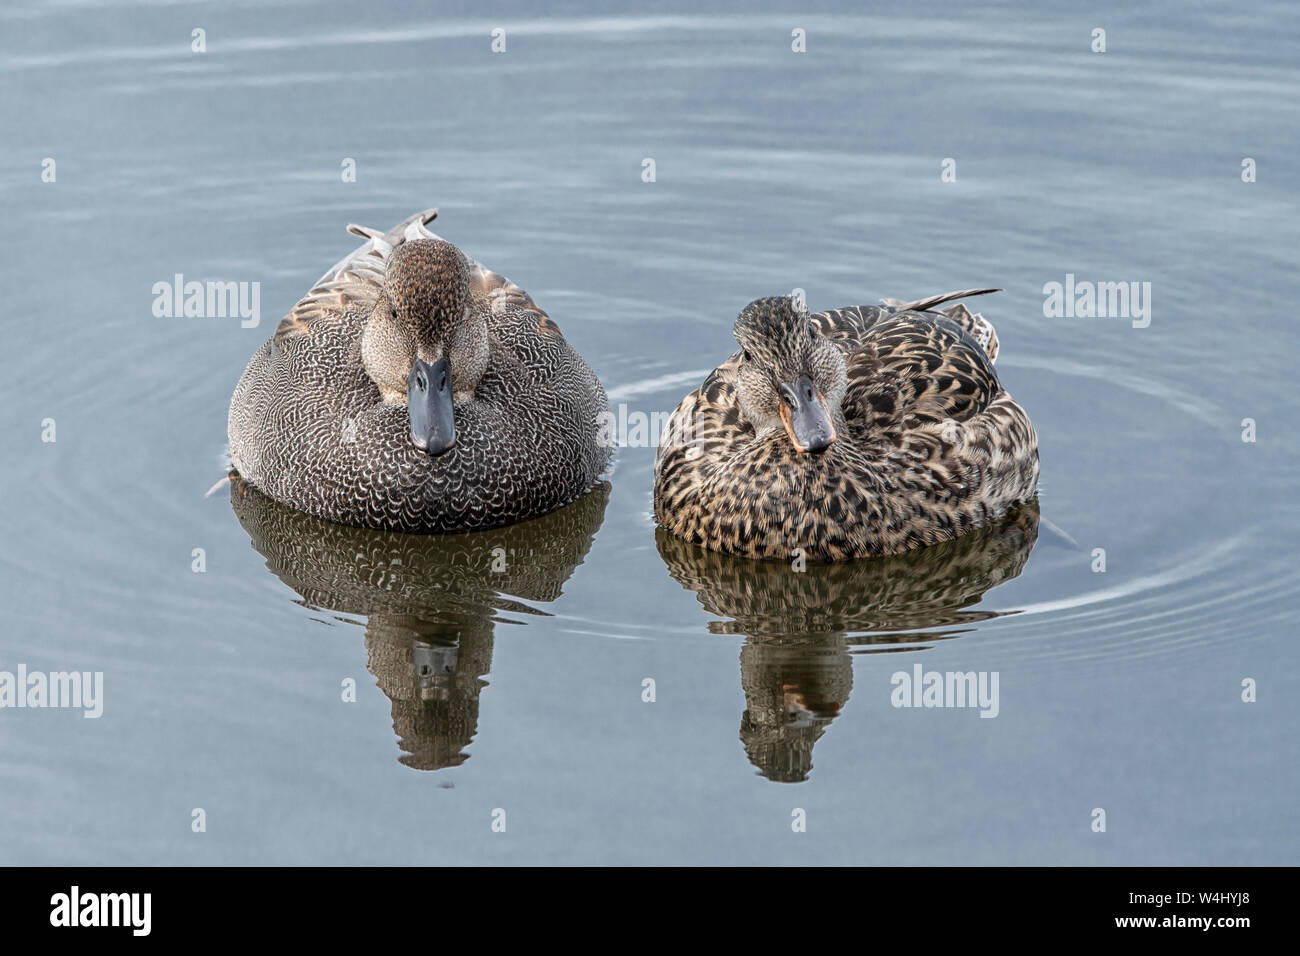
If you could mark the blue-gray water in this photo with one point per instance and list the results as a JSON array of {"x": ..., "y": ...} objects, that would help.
[{"x": 1120, "y": 690}]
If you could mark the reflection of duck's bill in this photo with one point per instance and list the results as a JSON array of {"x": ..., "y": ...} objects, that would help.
[
  {"x": 429, "y": 400},
  {"x": 806, "y": 416}
]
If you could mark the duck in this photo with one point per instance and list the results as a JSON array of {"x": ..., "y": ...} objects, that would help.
[
  {"x": 414, "y": 390},
  {"x": 852, "y": 433}
]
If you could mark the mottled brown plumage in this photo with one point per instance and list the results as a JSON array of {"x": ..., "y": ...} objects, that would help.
[{"x": 924, "y": 443}]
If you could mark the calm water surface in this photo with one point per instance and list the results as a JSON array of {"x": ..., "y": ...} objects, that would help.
[{"x": 506, "y": 670}]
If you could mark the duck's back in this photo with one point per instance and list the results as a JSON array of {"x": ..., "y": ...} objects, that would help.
[
  {"x": 307, "y": 425},
  {"x": 905, "y": 368}
]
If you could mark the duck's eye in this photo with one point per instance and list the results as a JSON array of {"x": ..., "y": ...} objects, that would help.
[
  {"x": 744, "y": 355},
  {"x": 394, "y": 314}
]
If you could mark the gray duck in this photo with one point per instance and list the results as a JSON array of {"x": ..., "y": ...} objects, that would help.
[{"x": 415, "y": 390}]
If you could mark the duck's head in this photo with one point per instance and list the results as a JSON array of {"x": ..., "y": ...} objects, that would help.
[
  {"x": 790, "y": 376},
  {"x": 424, "y": 344}
]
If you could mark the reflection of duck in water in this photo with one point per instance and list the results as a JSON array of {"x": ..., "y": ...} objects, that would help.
[
  {"x": 431, "y": 602},
  {"x": 795, "y": 666}
]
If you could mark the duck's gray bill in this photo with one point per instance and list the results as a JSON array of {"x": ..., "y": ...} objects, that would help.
[
  {"x": 428, "y": 396},
  {"x": 805, "y": 416}
]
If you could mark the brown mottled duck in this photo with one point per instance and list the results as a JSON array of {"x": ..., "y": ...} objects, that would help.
[{"x": 855, "y": 432}]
